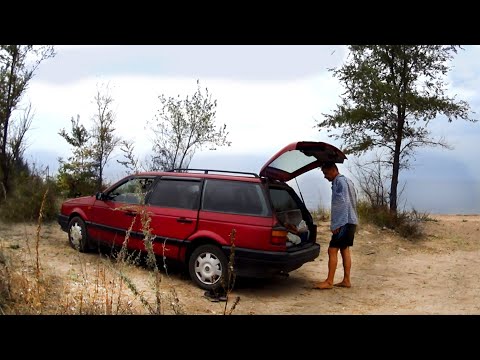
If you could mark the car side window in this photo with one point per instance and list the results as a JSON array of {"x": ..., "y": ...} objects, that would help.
[
  {"x": 234, "y": 197},
  {"x": 131, "y": 192},
  {"x": 182, "y": 194}
]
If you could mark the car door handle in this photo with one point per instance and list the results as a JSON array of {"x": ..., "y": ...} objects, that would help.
[
  {"x": 184, "y": 220},
  {"x": 130, "y": 213}
]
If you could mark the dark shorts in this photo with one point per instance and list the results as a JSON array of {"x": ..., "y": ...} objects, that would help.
[{"x": 344, "y": 237}]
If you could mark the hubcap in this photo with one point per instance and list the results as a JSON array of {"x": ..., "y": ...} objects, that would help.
[
  {"x": 208, "y": 268},
  {"x": 76, "y": 234}
]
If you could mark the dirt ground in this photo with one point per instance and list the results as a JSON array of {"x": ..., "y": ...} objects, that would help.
[{"x": 390, "y": 275}]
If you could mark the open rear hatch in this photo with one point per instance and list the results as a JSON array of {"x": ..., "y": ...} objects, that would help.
[
  {"x": 298, "y": 158},
  {"x": 291, "y": 161}
]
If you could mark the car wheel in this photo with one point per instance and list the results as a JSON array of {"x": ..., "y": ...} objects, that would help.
[
  {"x": 77, "y": 234},
  {"x": 208, "y": 267}
]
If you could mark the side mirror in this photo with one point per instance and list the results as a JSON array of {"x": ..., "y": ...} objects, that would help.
[{"x": 100, "y": 196}]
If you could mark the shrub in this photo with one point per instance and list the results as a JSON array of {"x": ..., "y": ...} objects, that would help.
[
  {"x": 411, "y": 225},
  {"x": 377, "y": 215},
  {"x": 408, "y": 224},
  {"x": 24, "y": 202}
]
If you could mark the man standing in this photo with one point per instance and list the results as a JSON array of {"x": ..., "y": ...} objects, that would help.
[{"x": 344, "y": 222}]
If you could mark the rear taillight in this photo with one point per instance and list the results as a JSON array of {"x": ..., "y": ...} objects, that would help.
[{"x": 279, "y": 236}]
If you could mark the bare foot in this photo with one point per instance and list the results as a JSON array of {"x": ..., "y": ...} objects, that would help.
[
  {"x": 343, "y": 284},
  {"x": 323, "y": 285}
]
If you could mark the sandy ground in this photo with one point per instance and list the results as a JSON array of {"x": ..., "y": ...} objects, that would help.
[{"x": 390, "y": 275}]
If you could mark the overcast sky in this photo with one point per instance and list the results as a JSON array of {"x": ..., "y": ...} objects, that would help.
[{"x": 268, "y": 96}]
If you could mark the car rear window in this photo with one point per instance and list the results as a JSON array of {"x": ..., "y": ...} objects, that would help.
[
  {"x": 235, "y": 197},
  {"x": 282, "y": 200}
]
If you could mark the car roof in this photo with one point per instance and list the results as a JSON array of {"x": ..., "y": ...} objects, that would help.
[{"x": 237, "y": 177}]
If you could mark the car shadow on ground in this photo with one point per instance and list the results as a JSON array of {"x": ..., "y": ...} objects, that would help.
[
  {"x": 283, "y": 284},
  {"x": 276, "y": 285}
]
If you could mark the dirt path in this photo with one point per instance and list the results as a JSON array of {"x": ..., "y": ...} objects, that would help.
[{"x": 390, "y": 275}]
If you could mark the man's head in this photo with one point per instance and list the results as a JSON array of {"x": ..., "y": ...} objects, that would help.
[{"x": 330, "y": 171}]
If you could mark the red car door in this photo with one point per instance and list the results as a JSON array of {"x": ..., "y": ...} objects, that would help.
[
  {"x": 118, "y": 211},
  {"x": 173, "y": 209}
]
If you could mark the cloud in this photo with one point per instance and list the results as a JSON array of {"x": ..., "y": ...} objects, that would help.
[
  {"x": 234, "y": 62},
  {"x": 259, "y": 116},
  {"x": 465, "y": 76}
]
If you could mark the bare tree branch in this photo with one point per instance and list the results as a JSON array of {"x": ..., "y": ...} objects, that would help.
[{"x": 181, "y": 127}]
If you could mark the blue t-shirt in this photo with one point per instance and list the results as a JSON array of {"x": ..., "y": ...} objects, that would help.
[{"x": 344, "y": 202}]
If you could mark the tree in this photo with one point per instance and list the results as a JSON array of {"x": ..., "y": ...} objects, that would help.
[
  {"x": 130, "y": 161},
  {"x": 183, "y": 126},
  {"x": 392, "y": 94},
  {"x": 104, "y": 140},
  {"x": 17, "y": 139},
  {"x": 83, "y": 172},
  {"x": 372, "y": 181},
  {"x": 78, "y": 174},
  {"x": 17, "y": 67}
]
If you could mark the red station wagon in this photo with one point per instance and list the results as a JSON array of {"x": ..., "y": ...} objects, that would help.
[{"x": 193, "y": 213}]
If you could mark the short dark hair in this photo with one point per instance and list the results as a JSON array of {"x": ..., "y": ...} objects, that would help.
[{"x": 329, "y": 165}]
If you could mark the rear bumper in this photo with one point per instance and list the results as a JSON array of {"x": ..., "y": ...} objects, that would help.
[
  {"x": 63, "y": 221},
  {"x": 259, "y": 264}
]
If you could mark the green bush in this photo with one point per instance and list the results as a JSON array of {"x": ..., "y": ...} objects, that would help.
[
  {"x": 25, "y": 201},
  {"x": 74, "y": 185},
  {"x": 412, "y": 223},
  {"x": 408, "y": 224},
  {"x": 377, "y": 215}
]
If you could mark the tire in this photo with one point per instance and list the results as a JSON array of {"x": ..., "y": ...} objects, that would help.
[
  {"x": 208, "y": 267},
  {"x": 77, "y": 234}
]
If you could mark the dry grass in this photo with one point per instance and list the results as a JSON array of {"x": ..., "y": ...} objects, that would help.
[
  {"x": 22, "y": 289},
  {"x": 320, "y": 214},
  {"x": 94, "y": 287},
  {"x": 105, "y": 291},
  {"x": 230, "y": 281},
  {"x": 29, "y": 287}
]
